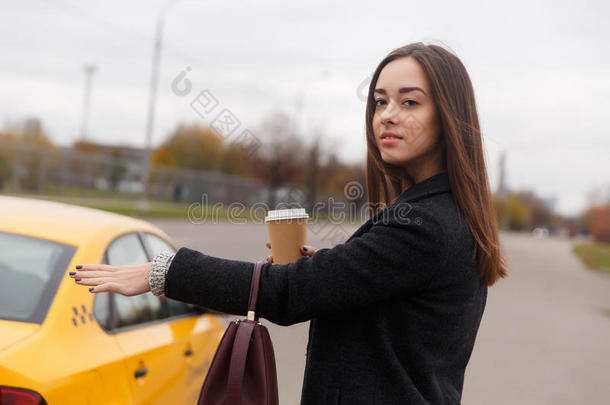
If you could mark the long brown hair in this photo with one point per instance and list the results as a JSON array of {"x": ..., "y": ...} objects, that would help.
[{"x": 463, "y": 158}]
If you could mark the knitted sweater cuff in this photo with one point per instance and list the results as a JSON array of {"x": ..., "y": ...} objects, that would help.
[{"x": 158, "y": 271}]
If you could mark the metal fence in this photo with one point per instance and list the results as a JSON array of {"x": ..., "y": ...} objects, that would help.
[{"x": 28, "y": 168}]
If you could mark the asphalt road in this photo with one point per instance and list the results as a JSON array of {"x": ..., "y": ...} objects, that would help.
[{"x": 544, "y": 337}]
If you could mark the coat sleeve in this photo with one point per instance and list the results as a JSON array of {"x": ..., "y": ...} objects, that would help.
[{"x": 393, "y": 258}]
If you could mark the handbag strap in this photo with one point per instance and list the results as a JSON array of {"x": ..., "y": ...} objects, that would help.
[
  {"x": 237, "y": 365},
  {"x": 256, "y": 280}
]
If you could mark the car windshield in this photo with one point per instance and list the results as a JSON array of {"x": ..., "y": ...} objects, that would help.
[{"x": 30, "y": 272}]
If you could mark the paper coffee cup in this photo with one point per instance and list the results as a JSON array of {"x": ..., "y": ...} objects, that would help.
[{"x": 287, "y": 233}]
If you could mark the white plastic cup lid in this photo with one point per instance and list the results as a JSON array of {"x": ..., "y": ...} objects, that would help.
[{"x": 293, "y": 213}]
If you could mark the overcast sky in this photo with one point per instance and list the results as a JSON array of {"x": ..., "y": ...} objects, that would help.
[{"x": 541, "y": 72}]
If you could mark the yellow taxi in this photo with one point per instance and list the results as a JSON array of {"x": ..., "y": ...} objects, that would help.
[{"x": 60, "y": 344}]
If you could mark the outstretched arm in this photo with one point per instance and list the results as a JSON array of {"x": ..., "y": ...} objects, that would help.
[
  {"x": 397, "y": 258},
  {"x": 136, "y": 279},
  {"x": 394, "y": 259}
]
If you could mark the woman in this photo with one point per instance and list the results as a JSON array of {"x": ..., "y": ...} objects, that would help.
[{"x": 395, "y": 309}]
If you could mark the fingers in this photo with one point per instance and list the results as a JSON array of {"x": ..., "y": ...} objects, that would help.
[
  {"x": 111, "y": 287},
  {"x": 90, "y": 281},
  {"x": 308, "y": 250},
  {"x": 93, "y": 267},
  {"x": 98, "y": 285},
  {"x": 106, "y": 287},
  {"x": 126, "y": 280},
  {"x": 91, "y": 274}
]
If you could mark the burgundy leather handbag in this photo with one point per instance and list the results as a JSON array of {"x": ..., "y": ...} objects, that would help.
[{"x": 243, "y": 368}]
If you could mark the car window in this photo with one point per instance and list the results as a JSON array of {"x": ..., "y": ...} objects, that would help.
[
  {"x": 126, "y": 250},
  {"x": 137, "y": 309},
  {"x": 156, "y": 245},
  {"x": 140, "y": 308},
  {"x": 101, "y": 309},
  {"x": 30, "y": 272}
]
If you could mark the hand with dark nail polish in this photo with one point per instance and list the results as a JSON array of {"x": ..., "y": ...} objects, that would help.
[
  {"x": 308, "y": 251},
  {"x": 127, "y": 280}
]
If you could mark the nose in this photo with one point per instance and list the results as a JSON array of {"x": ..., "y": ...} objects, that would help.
[{"x": 389, "y": 115}]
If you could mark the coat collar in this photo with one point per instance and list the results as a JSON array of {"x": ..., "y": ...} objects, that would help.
[{"x": 439, "y": 183}]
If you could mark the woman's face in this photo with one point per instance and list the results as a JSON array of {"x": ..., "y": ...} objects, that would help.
[{"x": 405, "y": 123}]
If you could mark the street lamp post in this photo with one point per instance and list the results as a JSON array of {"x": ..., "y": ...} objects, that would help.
[
  {"x": 152, "y": 100},
  {"x": 315, "y": 142},
  {"x": 89, "y": 70},
  {"x": 300, "y": 99}
]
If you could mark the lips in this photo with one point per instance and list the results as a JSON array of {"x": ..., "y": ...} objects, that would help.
[{"x": 390, "y": 135}]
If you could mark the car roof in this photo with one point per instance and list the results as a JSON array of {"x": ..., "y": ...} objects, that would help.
[{"x": 61, "y": 222}]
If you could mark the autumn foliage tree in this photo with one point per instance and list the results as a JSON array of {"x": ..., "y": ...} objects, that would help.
[
  {"x": 284, "y": 158},
  {"x": 23, "y": 142},
  {"x": 597, "y": 222},
  {"x": 193, "y": 146},
  {"x": 281, "y": 159},
  {"x": 200, "y": 148},
  {"x": 163, "y": 156}
]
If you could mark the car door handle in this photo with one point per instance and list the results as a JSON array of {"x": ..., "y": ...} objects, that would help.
[
  {"x": 141, "y": 372},
  {"x": 188, "y": 352}
]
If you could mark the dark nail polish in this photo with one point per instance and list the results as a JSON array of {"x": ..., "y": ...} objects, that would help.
[
  {"x": 91, "y": 289},
  {"x": 77, "y": 279},
  {"x": 80, "y": 266},
  {"x": 304, "y": 248},
  {"x": 72, "y": 273}
]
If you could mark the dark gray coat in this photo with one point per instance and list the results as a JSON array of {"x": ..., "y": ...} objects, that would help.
[{"x": 394, "y": 310}]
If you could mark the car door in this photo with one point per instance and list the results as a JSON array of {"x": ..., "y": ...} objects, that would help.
[
  {"x": 152, "y": 359},
  {"x": 197, "y": 331}
]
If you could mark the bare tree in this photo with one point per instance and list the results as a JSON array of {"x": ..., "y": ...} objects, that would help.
[
  {"x": 312, "y": 178},
  {"x": 280, "y": 159}
]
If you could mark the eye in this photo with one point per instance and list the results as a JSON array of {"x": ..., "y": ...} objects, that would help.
[
  {"x": 378, "y": 101},
  {"x": 411, "y": 101}
]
